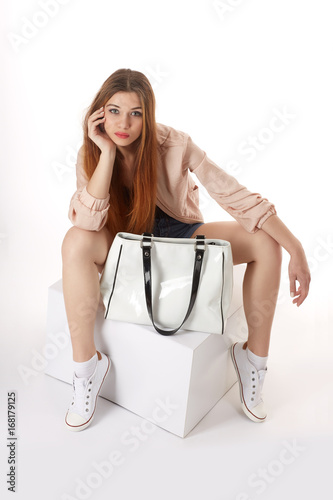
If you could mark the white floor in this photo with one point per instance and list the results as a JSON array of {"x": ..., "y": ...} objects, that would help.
[{"x": 225, "y": 457}]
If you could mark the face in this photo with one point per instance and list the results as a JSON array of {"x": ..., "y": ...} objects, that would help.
[{"x": 123, "y": 122}]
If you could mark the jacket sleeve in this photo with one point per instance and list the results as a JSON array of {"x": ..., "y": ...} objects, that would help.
[
  {"x": 86, "y": 211},
  {"x": 249, "y": 209}
]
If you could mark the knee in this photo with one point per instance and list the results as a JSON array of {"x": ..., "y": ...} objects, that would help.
[{"x": 75, "y": 243}]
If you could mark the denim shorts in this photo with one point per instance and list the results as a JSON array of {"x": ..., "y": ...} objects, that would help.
[{"x": 167, "y": 227}]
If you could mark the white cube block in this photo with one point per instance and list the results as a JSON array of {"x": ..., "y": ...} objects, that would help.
[{"x": 172, "y": 381}]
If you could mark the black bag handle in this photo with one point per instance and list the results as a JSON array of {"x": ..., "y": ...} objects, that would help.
[{"x": 146, "y": 245}]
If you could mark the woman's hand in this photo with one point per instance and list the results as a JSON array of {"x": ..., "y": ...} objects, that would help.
[
  {"x": 299, "y": 270},
  {"x": 101, "y": 139},
  {"x": 298, "y": 266}
]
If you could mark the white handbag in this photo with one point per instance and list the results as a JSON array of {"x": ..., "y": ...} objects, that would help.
[{"x": 170, "y": 283}]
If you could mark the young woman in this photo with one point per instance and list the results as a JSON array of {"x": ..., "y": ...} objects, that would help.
[{"x": 133, "y": 175}]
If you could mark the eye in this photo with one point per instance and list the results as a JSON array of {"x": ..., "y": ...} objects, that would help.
[
  {"x": 113, "y": 110},
  {"x": 137, "y": 113}
]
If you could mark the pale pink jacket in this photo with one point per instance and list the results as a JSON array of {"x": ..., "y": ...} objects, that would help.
[{"x": 177, "y": 193}]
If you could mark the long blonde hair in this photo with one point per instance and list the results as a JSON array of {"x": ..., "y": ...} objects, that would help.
[{"x": 132, "y": 211}]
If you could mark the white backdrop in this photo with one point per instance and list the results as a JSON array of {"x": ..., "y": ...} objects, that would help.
[{"x": 221, "y": 71}]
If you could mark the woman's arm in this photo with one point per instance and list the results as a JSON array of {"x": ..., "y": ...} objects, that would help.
[
  {"x": 251, "y": 210},
  {"x": 89, "y": 205},
  {"x": 85, "y": 210},
  {"x": 248, "y": 208},
  {"x": 99, "y": 184},
  {"x": 298, "y": 266}
]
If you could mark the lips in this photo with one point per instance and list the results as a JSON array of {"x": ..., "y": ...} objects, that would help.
[{"x": 122, "y": 136}]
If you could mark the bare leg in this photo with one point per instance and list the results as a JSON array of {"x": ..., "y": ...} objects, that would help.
[
  {"x": 84, "y": 253},
  {"x": 263, "y": 256}
]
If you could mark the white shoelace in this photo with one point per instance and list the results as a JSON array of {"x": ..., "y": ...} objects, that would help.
[
  {"x": 79, "y": 396},
  {"x": 261, "y": 377}
]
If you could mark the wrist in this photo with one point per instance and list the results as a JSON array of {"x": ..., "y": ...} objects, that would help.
[
  {"x": 108, "y": 153},
  {"x": 296, "y": 248}
]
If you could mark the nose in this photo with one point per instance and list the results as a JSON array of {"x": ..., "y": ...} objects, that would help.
[{"x": 124, "y": 121}]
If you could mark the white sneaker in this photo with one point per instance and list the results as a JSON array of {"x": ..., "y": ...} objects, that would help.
[
  {"x": 85, "y": 391},
  {"x": 250, "y": 383}
]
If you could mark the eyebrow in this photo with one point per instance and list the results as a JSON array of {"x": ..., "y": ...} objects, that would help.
[{"x": 115, "y": 105}]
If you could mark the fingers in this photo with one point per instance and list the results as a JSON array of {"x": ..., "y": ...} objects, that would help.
[
  {"x": 292, "y": 285},
  {"x": 301, "y": 293},
  {"x": 96, "y": 118},
  {"x": 301, "y": 296},
  {"x": 96, "y": 113},
  {"x": 298, "y": 297},
  {"x": 97, "y": 132},
  {"x": 299, "y": 271}
]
